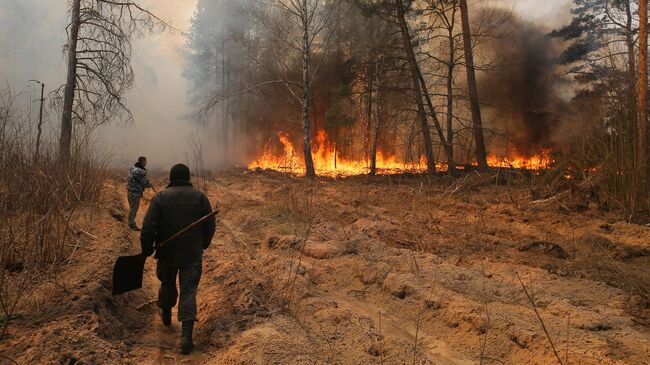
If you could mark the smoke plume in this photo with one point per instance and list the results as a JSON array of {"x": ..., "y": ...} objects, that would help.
[{"x": 525, "y": 89}]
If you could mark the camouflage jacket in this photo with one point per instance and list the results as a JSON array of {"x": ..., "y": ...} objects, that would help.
[{"x": 137, "y": 180}]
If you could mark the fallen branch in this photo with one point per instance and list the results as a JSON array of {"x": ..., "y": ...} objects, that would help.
[
  {"x": 588, "y": 181},
  {"x": 453, "y": 189},
  {"x": 554, "y": 197}
]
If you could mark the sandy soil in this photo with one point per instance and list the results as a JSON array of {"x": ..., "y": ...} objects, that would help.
[{"x": 388, "y": 270}]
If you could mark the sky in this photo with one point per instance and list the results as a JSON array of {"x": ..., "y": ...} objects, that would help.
[
  {"x": 548, "y": 13},
  {"x": 32, "y": 33}
]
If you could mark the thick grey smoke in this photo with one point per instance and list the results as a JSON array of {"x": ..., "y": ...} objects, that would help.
[{"x": 526, "y": 95}]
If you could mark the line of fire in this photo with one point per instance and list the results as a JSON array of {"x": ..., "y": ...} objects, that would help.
[
  {"x": 358, "y": 103},
  {"x": 328, "y": 160}
]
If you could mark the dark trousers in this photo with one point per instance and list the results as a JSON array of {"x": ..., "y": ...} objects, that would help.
[{"x": 188, "y": 278}]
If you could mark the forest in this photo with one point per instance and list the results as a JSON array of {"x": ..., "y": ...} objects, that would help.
[{"x": 393, "y": 181}]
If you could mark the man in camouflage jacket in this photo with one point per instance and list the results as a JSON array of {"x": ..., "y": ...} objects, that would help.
[{"x": 136, "y": 182}]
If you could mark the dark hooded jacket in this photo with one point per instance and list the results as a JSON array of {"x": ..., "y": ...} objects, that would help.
[{"x": 170, "y": 211}]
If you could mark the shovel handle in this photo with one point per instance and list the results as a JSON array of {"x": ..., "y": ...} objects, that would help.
[{"x": 201, "y": 220}]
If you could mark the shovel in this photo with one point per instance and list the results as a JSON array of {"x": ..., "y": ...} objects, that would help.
[{"x": 128, "y": 270}]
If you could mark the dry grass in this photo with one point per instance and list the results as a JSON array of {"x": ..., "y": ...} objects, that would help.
[{"x": 41, "y": 202}]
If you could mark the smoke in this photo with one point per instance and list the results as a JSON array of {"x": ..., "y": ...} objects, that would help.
[
  {"x": 524, "y": 91},
  {"x": 32, "y": 34},
  {"x": 31, "y": 38}
]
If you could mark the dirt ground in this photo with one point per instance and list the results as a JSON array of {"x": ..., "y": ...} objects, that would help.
[{"x": 385, "y": 270}]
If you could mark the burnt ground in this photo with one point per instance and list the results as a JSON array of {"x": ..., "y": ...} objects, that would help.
[{"x": 388, "y": 270}]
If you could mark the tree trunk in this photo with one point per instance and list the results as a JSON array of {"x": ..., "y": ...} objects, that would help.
[
  {"x": 415, "y": 75},
  {"x": 223, "y": 109},
  {"x": 40, "y": 124},
  {"x": 629, "y": 40},
  {"x": 451, "y": 164},
  {"x": 218, "y": 111},
  {"x": 642, "y": 148},
  {"x": 477, "y": 123},
  {"x": 65, "y": 140},
  {"x": 368, "y": 110},
  {"x": 227, "y": 121},
  {"x": 373, "y": 155},
  {"x": 436, "y": 122},
  {"x": 309, "y": 162}
]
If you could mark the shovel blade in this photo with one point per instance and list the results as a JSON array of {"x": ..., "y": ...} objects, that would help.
[{"x": 127, "y": 273}]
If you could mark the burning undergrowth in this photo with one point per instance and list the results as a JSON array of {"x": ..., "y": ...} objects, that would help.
[
  {"x": 520, "y": 97},
  {"x": 327, "y": 158},
  {"x": 287, "y": 157}
]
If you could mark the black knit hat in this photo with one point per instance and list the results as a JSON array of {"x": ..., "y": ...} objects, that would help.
[{"x": 179, "y": 172}]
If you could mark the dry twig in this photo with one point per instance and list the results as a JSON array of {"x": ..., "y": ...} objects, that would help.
[{"x": 541, "y": 321}]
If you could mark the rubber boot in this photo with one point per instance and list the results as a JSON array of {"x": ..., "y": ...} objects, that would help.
[
  {"x": 166, "y": 316},
  {"x": 186, "y": 337}
]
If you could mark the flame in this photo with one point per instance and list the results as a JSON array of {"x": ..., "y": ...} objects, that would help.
[
  {"x": 283, "y": 162},
  {"x": 540, "y": 161},
  {"x": 328, "y": 162}
]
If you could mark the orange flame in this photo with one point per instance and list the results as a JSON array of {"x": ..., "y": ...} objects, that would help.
[
  {"x": 328, "y": 162},
  {"x": 270, "y": 160},
  {"x": 540, "y": 161}
]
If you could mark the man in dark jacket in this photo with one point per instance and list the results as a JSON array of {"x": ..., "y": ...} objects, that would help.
[
  {"x": 170, "y": 211},
  {"x": 136, "y": 182}
]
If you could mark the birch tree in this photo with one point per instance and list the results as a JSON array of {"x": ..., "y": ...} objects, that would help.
[{"x": 311, "y": 21}]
